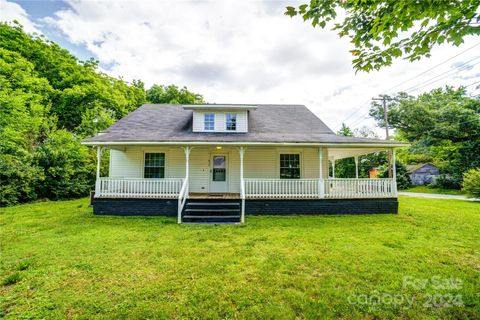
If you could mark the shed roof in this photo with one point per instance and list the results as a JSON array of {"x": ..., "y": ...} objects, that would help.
[
  {"x": 415, "y": 167},
  {"x": 268, "y": 123}
]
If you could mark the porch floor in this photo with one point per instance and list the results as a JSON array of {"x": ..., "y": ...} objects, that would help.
[{"x": 202, "y": 195}]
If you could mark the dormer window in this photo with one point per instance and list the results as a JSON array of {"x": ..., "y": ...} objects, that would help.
[
  {"x": 227, "y": 118},
  {"x": 209, "y": 121},
  {"x": 231, "y": 122}
]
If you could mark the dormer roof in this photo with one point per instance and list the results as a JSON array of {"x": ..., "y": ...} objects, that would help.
[{"x": 219, "y": 106}]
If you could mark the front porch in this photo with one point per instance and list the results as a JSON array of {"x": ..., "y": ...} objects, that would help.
[{"x": 225, "y": 174}]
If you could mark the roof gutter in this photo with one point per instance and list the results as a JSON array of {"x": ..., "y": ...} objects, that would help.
[{"x": 236, "y": 143}]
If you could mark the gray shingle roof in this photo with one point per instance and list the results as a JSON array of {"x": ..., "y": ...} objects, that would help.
[{"x": 268, "y": 123}]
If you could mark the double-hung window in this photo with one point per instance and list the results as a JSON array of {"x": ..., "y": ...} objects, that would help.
[
  {"x": 231, "y": 121},
  {"x": 208, "y": 121},
  {"x": 154, "y": 165},
  {"x": 289, "y": 166}
]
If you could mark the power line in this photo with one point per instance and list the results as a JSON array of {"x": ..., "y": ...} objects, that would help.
[
  {"x": 427, "y": 82},
  {"x": 353, "y": 113},
  {"x": 416, "y": 87},
  {"x": 471, "y": 84},
  {"x": 436, "y": 66},
  {"x": 418, "y": 75}
]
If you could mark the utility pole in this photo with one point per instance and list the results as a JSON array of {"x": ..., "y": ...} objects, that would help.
[{"x": 384, "y": 100}]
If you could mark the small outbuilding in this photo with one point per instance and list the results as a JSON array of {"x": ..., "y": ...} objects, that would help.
[{"x": 422, "y": 173}]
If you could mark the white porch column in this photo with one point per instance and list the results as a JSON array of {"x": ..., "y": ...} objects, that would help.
[
  {"x": 241, "y": 151},
  {"x": 97, "y": 180},
  {"x": 394, "y": 173},
  {"x": 187, "y": 151},
  {"x": 356, "y": 167},
  {"x": 321, "y": 184}
]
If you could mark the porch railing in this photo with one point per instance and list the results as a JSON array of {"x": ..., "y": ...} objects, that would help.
[
  {"x": 281, "y": 188},
  {"x": 138, "y": 188},
  {"x": 312, "y": 188},
  {"x": 250, "y": 188},
  {"x": 359, "y": 188}
]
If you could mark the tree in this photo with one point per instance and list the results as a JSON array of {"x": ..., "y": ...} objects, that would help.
[
  {"x": 345, "y": 168},
  {"x": 24, "y": 122},
  {"x": 403, "y": 179},
  {"x": 384, "y": 30},
  {"x": 49, "y": 101},
  {"x": 172, "y": 94},
  {"x": 442, "y": 125},
  {"x": 64, "y": 161},
  {"x": 77, "y": 86},
  {"x": 471, "y": 182}
]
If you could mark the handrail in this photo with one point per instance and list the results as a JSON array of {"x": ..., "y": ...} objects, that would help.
[
  {"x": 242, "y": 196},
  {"x": 182, "y": 198}
]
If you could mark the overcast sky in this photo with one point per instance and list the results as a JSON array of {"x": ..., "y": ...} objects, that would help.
[{"x": 235, "y": 52}]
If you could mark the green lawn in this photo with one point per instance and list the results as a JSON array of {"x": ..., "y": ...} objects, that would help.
[
  {"x": 427, "y": 189},
  {"x": 59, "y": 261}
]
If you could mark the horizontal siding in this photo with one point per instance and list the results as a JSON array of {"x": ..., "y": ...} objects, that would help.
[
  {"x": 199, "y": 169},
  {"x": 259, "y": 162},
  {"x": 126, "y": 164}
]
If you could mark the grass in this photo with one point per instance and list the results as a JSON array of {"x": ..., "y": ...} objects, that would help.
[
  {"x": 67, "y": 263},
  {"x": 427, "y": 189}
]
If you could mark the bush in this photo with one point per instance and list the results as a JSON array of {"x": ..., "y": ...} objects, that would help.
[
  {"x": 445, "y": 181},
  {"x": 471, "y": 182},
  {"x": 18, "y": 179},
  {"x": 68, "y": 171},
  {"x": 403, "y": 179}
]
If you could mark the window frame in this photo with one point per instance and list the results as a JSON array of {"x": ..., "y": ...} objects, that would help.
[
  {"x": 161, "y": 167},
  {"x": 231, "y": 116},
  {"x": 299, "y": 168},
  {"x": 209, "y": 121}
]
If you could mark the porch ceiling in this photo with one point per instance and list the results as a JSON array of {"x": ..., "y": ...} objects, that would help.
[{"x": 341, "y": 153}]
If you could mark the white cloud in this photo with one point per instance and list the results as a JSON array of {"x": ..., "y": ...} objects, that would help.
[
  {"x": 10, "y": 11},
  {"x": 240, "y": 51}
]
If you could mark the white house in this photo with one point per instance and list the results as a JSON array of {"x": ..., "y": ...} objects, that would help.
[{"x": 220, "y": 162}]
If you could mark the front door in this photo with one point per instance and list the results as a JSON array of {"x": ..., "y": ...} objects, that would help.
[{"x": 218, "y": 174}]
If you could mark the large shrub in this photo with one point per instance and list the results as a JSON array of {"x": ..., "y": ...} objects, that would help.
[
  {"x": 18, "y": 179},
  {"x": 446, "y": 181},
  {"x": 403, "y": 179},
  {"x": 66, "y": 166},
  {"x": 471, "y": 182}
]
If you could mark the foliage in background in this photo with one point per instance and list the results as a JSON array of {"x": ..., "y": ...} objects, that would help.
[
  {"x": 403, "y": 179},
  {"x": 345, "y": 168},
  {"x": 442, "y": 125},
  {"x": 49, "y": 102},
  {"x": 446, "y": 181},
  {"x": 384, "y": 30},
  {"x": 173, "y": 95},
  {"x": 67, "y": 167},
  {"x": 471, "y": 182}
]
